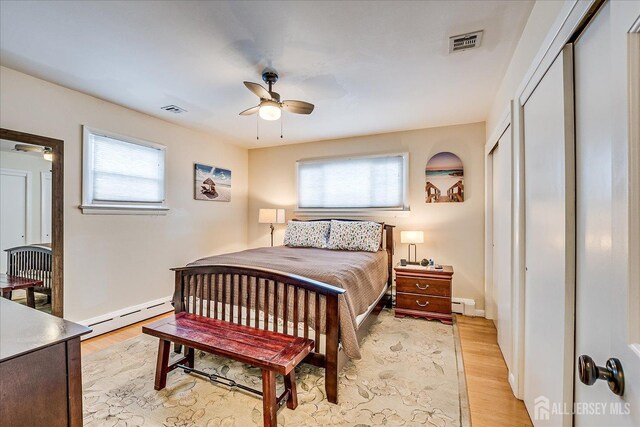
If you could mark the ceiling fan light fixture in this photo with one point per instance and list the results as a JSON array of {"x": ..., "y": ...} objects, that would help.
[
  {"x": 270, "y": 110},
  {"x": 48, "y": 154}
]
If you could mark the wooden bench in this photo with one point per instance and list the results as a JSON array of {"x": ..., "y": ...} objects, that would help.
[
  {"x": 9, "y": 283},
  {"x": 273, "y": 352}
]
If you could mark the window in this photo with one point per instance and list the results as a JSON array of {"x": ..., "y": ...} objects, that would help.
[
  {"x": 122, "y": 174},
  {"x": 368, "y": 182}
]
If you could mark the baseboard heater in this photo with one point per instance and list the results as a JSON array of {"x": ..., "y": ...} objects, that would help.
[
  {"x": 126, "y": 316},
  {"x": 465, "y": 306}
]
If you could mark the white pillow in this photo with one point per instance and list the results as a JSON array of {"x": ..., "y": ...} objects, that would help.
[
  {"x": 307, "y": 234},
  {"x": 355, "y": 235}
]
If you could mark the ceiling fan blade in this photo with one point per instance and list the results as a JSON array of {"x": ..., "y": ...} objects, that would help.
[
  {"x": 298, "y": 107},
  {"x": 250, "y": 111},
  {"x": 258, "y": 90}
]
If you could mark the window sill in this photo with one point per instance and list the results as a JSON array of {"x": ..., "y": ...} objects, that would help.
[
  {"x": 123, "y": 210},
  {"x": 348, "y": 213}
]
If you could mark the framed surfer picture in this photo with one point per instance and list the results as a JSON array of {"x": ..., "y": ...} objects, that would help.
[
  {"x": 444, "y": 179},
  {"x": 212, "y": 183}
]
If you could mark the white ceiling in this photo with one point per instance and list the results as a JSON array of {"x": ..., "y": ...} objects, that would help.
[{"x": 369, "y": 67}]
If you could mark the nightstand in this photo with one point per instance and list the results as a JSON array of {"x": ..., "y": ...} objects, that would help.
[{"x": 424, "y": 292}]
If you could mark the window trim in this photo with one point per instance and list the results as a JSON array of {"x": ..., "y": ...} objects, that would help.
[
  {"x": 91, "y": 206},
  {"x": 357, "y": 211}
]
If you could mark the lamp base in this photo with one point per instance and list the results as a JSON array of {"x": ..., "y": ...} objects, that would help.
[
  {"x": 272, "y": 228},
  {"x": 415, "y": 254}
]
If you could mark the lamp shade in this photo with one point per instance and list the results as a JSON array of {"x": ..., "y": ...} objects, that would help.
[
  {"x": 267, "y": 216},
  {"x": 412, "y": 237},
  {"x": 271, "y": 216}
]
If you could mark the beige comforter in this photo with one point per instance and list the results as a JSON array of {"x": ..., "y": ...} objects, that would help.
[{"x": 362, "y": 274}]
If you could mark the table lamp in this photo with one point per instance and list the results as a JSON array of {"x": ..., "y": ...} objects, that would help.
[
  {"x": 412, "y": 237},
  {"x": 271, "y": 216}
]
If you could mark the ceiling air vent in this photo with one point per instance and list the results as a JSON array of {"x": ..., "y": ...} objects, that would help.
[
  {"x": 173, "y": 109},
  {"x": 465, "y": 41}
]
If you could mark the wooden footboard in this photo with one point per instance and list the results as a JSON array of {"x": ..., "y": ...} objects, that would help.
[
  {"x": 268, "y": 299},
  {"x": 33, "y": 262}
]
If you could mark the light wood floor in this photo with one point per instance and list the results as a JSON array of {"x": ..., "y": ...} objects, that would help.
[
  {"x": 103, "y": 341},
  {"x": 490, "y": 398}
]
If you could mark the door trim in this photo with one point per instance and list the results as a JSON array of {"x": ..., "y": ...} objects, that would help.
[
  {"x": 574, "y": 14},
  {"x": 634, "y": 186},
  {"x": 491, "y": 143},
  {"x": 491, "y": 310},
  {"x": 57, "y": 210},
  {"x": 28, "y": 205}
]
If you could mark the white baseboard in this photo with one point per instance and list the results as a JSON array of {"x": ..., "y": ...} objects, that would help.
[
  {"x": 479, "y": 313},
  {"x": 126, "y": 316},
  {"x": 512, "y": 381}
]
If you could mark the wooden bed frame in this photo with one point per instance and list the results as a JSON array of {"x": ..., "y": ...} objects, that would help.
[
  {"x": 196, "y": 284},
  {"x": 34, "y": 262}
]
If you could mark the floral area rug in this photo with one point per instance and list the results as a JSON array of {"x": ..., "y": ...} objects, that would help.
[
  {"x": 408, "y": 376},
  {"x": 20, "y": 296}
]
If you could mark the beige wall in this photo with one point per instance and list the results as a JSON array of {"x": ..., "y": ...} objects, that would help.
[
  {"x": 34, "y": 164},
  {"x": 542, "y": 17},
  {"x": 112, "y": 262},
  {"x": 454, "y": 233}
]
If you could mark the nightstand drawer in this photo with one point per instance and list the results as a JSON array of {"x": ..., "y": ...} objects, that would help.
[
  {"x": 422, "y": 286},
  {"x": 423, "y": 303}
]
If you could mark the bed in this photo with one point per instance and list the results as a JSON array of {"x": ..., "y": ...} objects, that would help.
[{"x": 330, "y": 296}]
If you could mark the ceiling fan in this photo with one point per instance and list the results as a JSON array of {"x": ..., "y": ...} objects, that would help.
[
  {"x": 270, "y": 107},
  {"x": 46, "y": 152}
]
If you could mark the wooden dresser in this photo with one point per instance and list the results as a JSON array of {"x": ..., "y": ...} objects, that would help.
[
  {"x": 40, "y": 376},
  {"x": 423, "y": 292}
]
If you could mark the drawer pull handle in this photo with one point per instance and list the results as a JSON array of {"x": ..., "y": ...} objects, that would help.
[
  {"x": 420, "y": 287},
  {"x": 422, "y": 305}
]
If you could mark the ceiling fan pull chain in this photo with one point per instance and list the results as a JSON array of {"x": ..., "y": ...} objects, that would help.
[
  {"x": 281, "y": 121},
  {"x": 257, "y": 128}
]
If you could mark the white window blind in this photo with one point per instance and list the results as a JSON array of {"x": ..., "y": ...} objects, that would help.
[
  {"x": 122, "y": 171},
  {"x": 357, "y": 183}
]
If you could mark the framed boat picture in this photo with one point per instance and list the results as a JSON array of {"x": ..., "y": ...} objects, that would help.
[
  {"x": 444, "y": 179},
  {"x": 212, "y": 183}
]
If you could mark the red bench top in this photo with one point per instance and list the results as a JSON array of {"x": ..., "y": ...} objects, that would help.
[
  {"x": 263, "y": 349},
  {"x": 8, "y": 282}
]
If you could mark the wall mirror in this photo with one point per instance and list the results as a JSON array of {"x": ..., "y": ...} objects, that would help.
[{"x": 31, "y": 220}]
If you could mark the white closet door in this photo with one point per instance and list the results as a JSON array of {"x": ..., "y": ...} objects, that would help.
[
  {"x": 45, "y": 206},
  {"x": 501, "y": 159},
  {"x": 607, "y": 289},
  {"x": 14, "y": 188},
  {"x": 550, "y": 243}
]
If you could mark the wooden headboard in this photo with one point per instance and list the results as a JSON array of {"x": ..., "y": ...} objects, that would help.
[{"x": 386, "y": 243}]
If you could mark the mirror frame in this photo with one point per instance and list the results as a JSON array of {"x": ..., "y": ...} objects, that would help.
[{"x": 57, "y": 209}]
